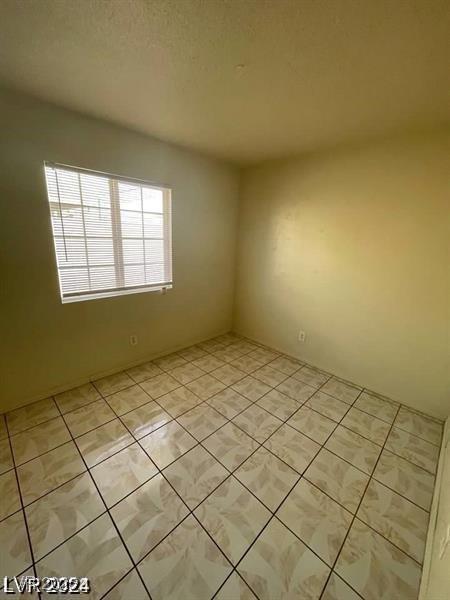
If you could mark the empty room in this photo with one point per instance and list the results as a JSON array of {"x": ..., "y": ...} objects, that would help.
[{"x": 225, "y": 299}]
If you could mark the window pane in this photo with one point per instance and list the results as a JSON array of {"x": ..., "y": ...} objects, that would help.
[
  {"x": 129, "y": 196},
  {"x": 134, "y": 275},
  {"x": 68, "y": 186},
  {"x": 102, "y": 278},
  {"x": 67, "y": 220},
  {"x": 131, "y": 223},
  {"x": 74, "y": 280},
  {"x": 152, "y": 200},
  {"x": 97, "y": 222},
  {"x": 95, "y": 191},
  {"x": 154, "y": 251},
  {"x": 71, "y": 253},
  {"x": 133, "y": 251},
  {"x": 154, "y": 273},
  {"x": 100, "y": 252},
  {"x": 153, "y": 225}
]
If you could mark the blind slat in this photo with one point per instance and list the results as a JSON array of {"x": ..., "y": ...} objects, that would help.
[{"x": 110, "y": 233}]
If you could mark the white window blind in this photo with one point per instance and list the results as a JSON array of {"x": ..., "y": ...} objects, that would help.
[{"x": 112, "y": 235}]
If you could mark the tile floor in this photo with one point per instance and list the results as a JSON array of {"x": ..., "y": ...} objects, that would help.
[{"x": 225, "y": 470}]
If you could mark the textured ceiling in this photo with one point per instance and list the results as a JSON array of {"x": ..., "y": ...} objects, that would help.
[{"x": 245, "y": 80}]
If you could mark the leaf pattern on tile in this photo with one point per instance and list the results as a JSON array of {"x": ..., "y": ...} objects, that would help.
[
  {"x": 377, "y": 406},
  {"x": 229, "y": 403},
  {"x": 407, "y": 479},
  {"x": 257, "y": 422},
  {"x": 130, "y": 587},
  {"x": 292, "y": 447},
  {"x": 45, "y": 473},
  {"x": 186, "y": 373},
  {"x": 267, "y": 477},
  {"x": 230, "y": 445},
  {"x": 295, "y": 389},
  {"x": 251, "y": 388},
  {"x": 342, "y": 390},
  {"x": 187, "y": 564},
  {"x": 316, "y": 519},
  {"x": 235, "y": 588},
  {"x": 201, "y": 421},
  {"x": 337, "y": 478},
  {"x": 31, "y": 415},
  {"x": 88, "y": 417},
  {"x": 354, "y": 448},
  {"x": 233, "y": 518},
  {"x": 247, "y": 364},
  {"x": 160, "y": 385},
  {"x": 77, "y": 397},
  {"x": 96, "y": 552},
  {"x": 122, "y": 473},
  {"x": 269, "y": 376},
  {"x": 192, "y": 354},
  {"x": 311, "y": 376},
  {"x": 418, "y": 451},
  {"x": 328, "y": 406},
  {"x": 147, "y": 515},
  {"x": 113, "y": 383},
  {"x": 145, "y": 419},
  {"x": 104, "y": 441},
  {"x": 167, "y": 443},
  {"x": 395, "y": 518},
  {"x": 419, "y": 425},
  {"x": 195, "y": 475},
  {"x": 375, "y": 568},
  {"x": 6, "y": 461},
  {"x": 278, "y": 404},
  {"x": 143, "y": 372},
  {"x": 286, "y": 364},
  {"x": 206, "y": 386},
  {"x": 170, "y": 361},
  {"x": 39, "y": 439},
  {"x": 337, "y": 589},
  {"x": 264, "y": 355},
  {"x": 279, "y": 565},
  {"x": 312, "y": 424},
  {"x": 179, "y": 401},
  {"x": 366, "y": 425},
  {"x": 9, "y": 494},
  {"x": 15, "y": 550},
  {"x": 128, "y": 399},
  {"x": 208, "y": 363}
]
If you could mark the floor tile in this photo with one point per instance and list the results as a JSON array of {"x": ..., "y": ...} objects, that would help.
[
  {"x": 160, "y": 385},
  {"x": 15, "y": 556},
  {"x": 88, "y": 417},
  {"x": 247, "y": 364},
  {"x": 328, "y": 406},
  {"x": 320, "y": 522},
  {"x": 354, "y": 448},
  {"x": 113, "y": 383},
  {"x": 286, "y": 364},
  {"x": 45, "y": 473},
  {"x": 419, "y": 425},
  {"x": 99, "y": 444},
  {"x": 6, "y": 461},
  {"x": 251, "y": 388},
  {"x": 312, "y": 424},
  {"x": 235, "y": 588},
  {"x": 192, "y": 353},
  {"x": 206, "y": 386},
  {"x": 187, "y": 565},
  {"x": 366, "y": 425},
  {"x": 179, "y": 401},
  {"x": 233, "y": 518},
  {"x": 201, "y": 421},
  {"x": 170, "y": 361},
  {"x": 278, "y": 404},
  {"x": 39, "y": 439},
  {"x": 145, "y": 419},
  {"x": 269, "y": 376},
  {"x": 414, "y": 449},
  {"x": 186, "y": 373},
  {"x": 195, "y": 475},
  {"x": 21, "y": 583},
  {"x": 263, "y": 355},
  {"x": 128, "y": 399},
  {"x": 3, "y": 430},
  {"x": 31, "y": 415},
  {"x": 280, "y": 566},
  {"x": 257, "y": 422},
  {"x": 227, "y": 354},
  {"x": 395, "y": 518},
  {"x": 267, "y": 477},
  {"x": 228, "y": 374},
  {"x": 311, "y": 376},
  {"x": 292, "y": 447},
  {"x": 229, "y": 403},
  {"x": 375, "y": 568},
  {"x": 129, "y": 588},
  {"x": 9, "y": 494},
  {"x": 77, "y": 397},
  {"x": 230, "y": 445},
  {"x": 61, "y": 513},
  {"x": 122, "y": 473},
  {"x": 407, "y": 479},
  {"x": 147, "y": 515},
  {"x": 337, "y": 589},
  {"x": 377, "y": 406},
  {"x": 95, "y": 552},
  {"x": 143, "y": 372},
  {"x": 211, "y": 346},
  {"x": 337, "y": 478},
  {"x": 167, "y": 443},
  {"x": 342, "y": 390},
  {"x": 208, "y": 363},
  {"x": 295, "y": 389}
]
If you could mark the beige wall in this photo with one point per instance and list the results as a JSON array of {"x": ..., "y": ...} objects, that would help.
[
  {"x": 46, "y": 345},
  {"x": 353, "y": 247}
]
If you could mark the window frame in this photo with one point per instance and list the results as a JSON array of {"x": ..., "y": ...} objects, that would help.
[{"x": 116, "y": 236}]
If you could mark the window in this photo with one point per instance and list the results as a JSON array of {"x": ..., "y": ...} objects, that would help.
[{"x": 112, "y": 235}]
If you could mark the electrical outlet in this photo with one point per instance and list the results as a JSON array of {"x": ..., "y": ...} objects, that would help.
[
  {"x": 301, "y": 336},
  {"x": 133, "y": 340}
]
